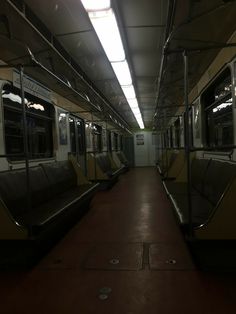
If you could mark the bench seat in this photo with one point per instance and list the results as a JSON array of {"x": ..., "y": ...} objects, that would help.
[
  {"x": 55, "y": 194},
  {"x": 209, "y": 182},
  {"x": 50, "y": 211}
]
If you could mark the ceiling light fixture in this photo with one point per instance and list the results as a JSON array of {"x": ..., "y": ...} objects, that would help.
[
  {"x": 129, "y": 91},
  {"x": 122, "y": 72},
  {"x": 91, "y": 5},
  {"x": 105, "y": 25}
]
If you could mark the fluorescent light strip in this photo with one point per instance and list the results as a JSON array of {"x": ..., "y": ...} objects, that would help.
[
  {"x": 122, "y": 72},
  {"x": 129, "y": 91},
  {"x": 106, "y": 28},
  {"x": 135, "y": 111},
  {"x": 133, "y": 103},
  {"x": 91, "y": 5},
  {"x": 104, "y": 22}
]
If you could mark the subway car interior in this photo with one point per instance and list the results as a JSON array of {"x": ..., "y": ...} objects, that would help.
[{"x": 118, "y": 156}]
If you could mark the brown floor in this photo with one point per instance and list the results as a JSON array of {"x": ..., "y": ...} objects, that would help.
[{"x": 125, "y": 256}]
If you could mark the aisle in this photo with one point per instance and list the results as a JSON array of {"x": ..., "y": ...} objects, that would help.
[{"x": 127, "y": 255}]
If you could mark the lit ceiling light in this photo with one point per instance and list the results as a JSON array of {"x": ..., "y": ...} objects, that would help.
[
  {"x": 122, "y": 72},
  {"x": 141, "y": 125},
  {"x": 128, "y": 91},
  {"x": 105, "y": 25},
  {"x": 106, "y": 28},
  {"x": 135, "y": 111},
  {"x": 133, "y": 103},
  {"x": 91, "y": 5},
  {"x": 138, "y": 116}
]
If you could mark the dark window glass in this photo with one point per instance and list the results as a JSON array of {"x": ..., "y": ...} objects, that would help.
[
  {"x": 217, "y": 101},
  {"x": 166, "y": 139},
  {"x": 109, "y": 141},
  {"x": 38, "y": 121},
  {"x": 115, "y": 137},
  {"x": 97, "y": 131},
  {"x": 171, "y": 136},
  {"x": 72, "y": 135},
  {"x": 177, "y": 132},
  {"x": 121, "y": 142},
  {"x": 13, "y": 133},
  {"x": 81, "y": 136},
  {"x": 219, "y": 123}
]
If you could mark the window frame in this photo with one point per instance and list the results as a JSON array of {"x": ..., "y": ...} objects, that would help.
[
  {"x": 48, "y": 118},
  {"x": 209, "y": 139}
]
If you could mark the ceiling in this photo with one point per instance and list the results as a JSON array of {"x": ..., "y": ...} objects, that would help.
[
  {"x": 154, "y": 33},
  {"x": 142, "y": 25}
]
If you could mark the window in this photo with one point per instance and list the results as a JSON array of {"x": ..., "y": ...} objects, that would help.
[
  {"x": 81, "y": 136},
  {"x": 166, "y": 139},
  {"x": 77, "y": 135},
  {"x": 115, "y": 143},
  {"x": 97, "y": 132},
  {"x": 171, "y": 136},
  {"x": 39, "y": 118},
  {"x": 109, "y": 141},
  {"x": 121, "y": 142},
  {"x": 217, "y": 101},
  {"x": 177, "y": 132},
  {"x": 72, "y": 135}
]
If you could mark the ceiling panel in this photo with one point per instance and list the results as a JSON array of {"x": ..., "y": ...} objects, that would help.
[
  {"x": 144, "y": 39},
  {"x": 82, "y": 44},
  {"x": 143, "y": 12},
  {"x": 61, "y": 16}
]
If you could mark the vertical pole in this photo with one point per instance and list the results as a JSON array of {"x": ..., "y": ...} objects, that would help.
[
  {"x": 25, "y": 138},
  {"x": 187, "y": 143}
]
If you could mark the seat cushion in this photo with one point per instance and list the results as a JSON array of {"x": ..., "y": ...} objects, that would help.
[
  {"x": 13, "y": 189},
  {"x": 48, "y": 212},
  {"x": 201, "y": 209}
]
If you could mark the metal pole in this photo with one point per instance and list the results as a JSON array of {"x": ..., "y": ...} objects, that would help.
[
  {"x": 25, "y": 137},
  {"x": 187, "y": 143}
]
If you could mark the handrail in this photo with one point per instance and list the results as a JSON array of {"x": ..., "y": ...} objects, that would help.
[
  {"x": 202, "y": 148},
  {"x": 213, "y": 148},
  {"x": 11, "y": 155}
]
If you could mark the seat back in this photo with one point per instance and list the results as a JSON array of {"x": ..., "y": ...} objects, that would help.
[
  {"x": 104, "y": 162},
  {"x": 61, "y": 176},
  {"x": 218, "y": 176},
  {"x": 13, "y": 189},
  {"x": 199, "y": 168}
]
